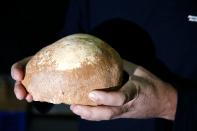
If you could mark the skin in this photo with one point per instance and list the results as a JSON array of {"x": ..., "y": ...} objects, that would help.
[
  {"x": 142, "y": 96},
  {"x": 17, "y": 73}
]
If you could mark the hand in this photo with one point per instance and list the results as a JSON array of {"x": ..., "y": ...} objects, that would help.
[
  {"x": 17, "y": 73},
  {"x": 143, "y": 96}
]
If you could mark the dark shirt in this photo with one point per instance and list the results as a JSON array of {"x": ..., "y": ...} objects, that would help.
[{"x": 155, "y": 34}]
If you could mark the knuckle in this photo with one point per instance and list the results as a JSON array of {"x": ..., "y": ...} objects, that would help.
[
  {"x": 111, "y": 114},
  {"x": 120, "y": 99},
  {"x": 109, "y": 117},
  {"x": 124, "y": 98},
  {"x": 125, "y": 108}
]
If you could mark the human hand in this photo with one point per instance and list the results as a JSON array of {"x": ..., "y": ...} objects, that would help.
[
  {"x": 17, "y": 73},
  {"x": 142, "y": 96}
]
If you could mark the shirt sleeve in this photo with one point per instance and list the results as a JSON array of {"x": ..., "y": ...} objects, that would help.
[{"x": 186, "y": 113}]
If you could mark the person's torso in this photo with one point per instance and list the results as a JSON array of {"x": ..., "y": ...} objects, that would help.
[
  {"x": 163, "y": 25},
  {"x": 166, "y": 22}
]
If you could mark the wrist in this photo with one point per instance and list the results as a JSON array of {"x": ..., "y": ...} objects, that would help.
[{"x": 170, "y": 103}]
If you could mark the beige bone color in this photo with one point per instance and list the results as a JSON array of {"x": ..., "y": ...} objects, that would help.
[{"x": 67, "y": 70}]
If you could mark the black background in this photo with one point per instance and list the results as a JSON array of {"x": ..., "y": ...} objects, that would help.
[{"x": 27, "y": 26}]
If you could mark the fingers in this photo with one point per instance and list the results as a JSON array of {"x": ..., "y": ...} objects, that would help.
[
  {"x": 129, "y": 67},
  {"x": 143, "y": 73},
  {"x": 107, "y": 98},
  {"x": 96, "y": 113},
  {"x": 115, "y": 98},
  {"x": 17, "y": 69},
  {"x": 29, "y": 98},
  {"x": 19, "y": 91},
  {"x": 130, "y": 90},
  {"x": 17, "y": 73},
  {"x": 133, "y": 69}
]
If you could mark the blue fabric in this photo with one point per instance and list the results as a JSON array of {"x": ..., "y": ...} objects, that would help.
[{"x": 12, "y": 121}]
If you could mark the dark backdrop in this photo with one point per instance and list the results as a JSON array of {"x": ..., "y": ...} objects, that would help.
[{"x": 27, "y": 26}]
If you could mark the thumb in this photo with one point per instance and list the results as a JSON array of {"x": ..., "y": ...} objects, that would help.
[
  {"x": 114, "y": 98},
  {"x": 111, "y": 98}
]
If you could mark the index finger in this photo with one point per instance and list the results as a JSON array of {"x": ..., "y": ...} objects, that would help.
[{"x": 129, "y": 67}]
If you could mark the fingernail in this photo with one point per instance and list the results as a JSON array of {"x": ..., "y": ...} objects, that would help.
[{"x": 93, "y": 96}]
